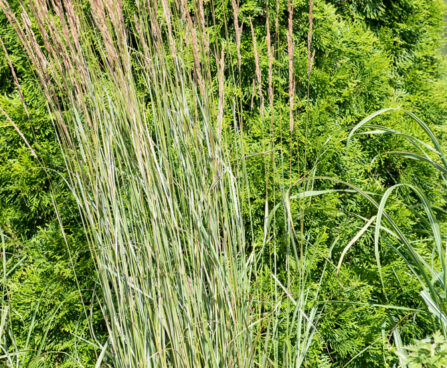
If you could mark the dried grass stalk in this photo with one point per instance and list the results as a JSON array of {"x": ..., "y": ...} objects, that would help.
[
  {"x": 238, "y": 32},
  {"x": 257, "y": 70},
  {"x": 270, "y": 58},
  {"x": 220, "y": 76},
  {"x": 192, "y": 31},
  {"x": 205, "y": 35},
  {"x": 310, "y": 54},
  {"x": 291, "y": 50}
]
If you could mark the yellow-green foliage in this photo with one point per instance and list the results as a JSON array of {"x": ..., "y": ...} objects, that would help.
[
  {"x": 41, "y": 290},
  {"x": 430, "y": 352}
]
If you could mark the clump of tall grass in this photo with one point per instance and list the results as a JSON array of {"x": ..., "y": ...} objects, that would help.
[
  {"x": 157, "y": 196},
  {"x": 132, "y": 100}
]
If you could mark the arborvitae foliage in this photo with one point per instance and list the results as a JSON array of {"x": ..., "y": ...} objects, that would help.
[
  {"x": 361, "y": 56},
  {"x": 49, "y": 289}
]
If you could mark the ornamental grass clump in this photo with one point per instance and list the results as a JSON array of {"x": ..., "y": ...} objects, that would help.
[
  {"x": 140, "y": 121},
  {"x": 157, "y": 196}
]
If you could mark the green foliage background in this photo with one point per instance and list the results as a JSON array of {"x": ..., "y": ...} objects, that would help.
[
  {"x": 51, "y": 288},
  {"x": 368, "y": 55}
]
